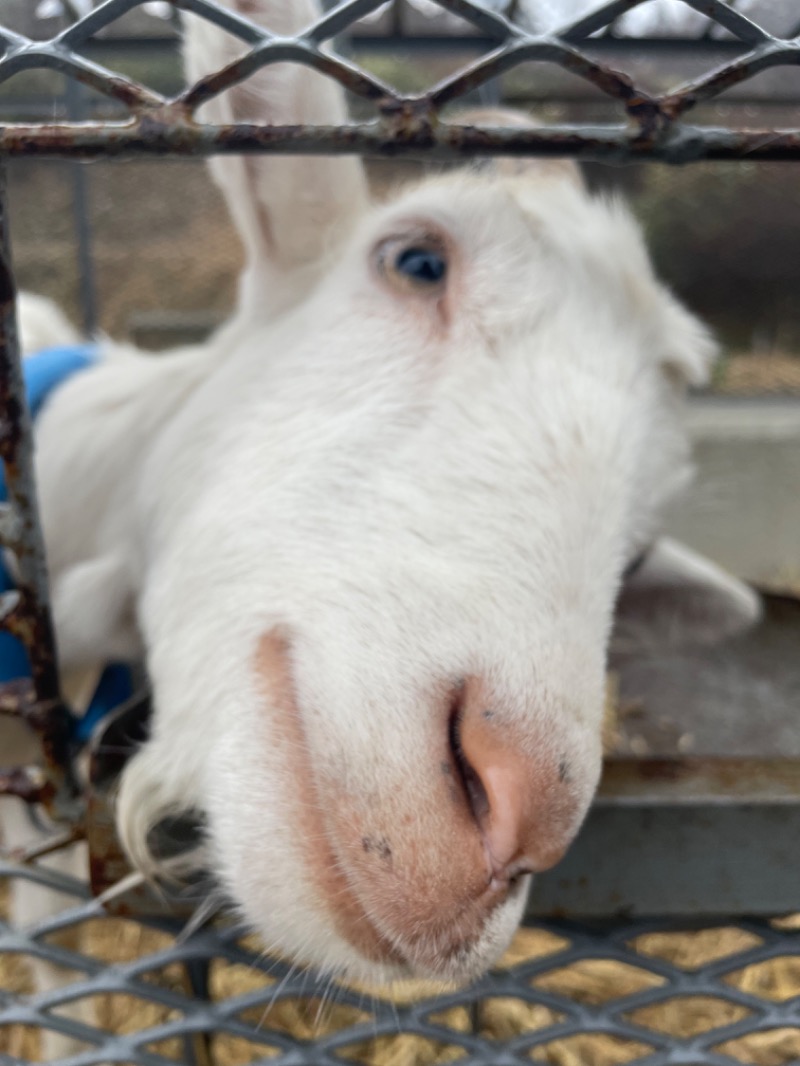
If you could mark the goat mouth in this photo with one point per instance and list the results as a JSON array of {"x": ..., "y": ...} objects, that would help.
[
  {"x": 451, "y": 946},
  {"x": 452, "y": 949},
  {"x": 468, "y": 943}
]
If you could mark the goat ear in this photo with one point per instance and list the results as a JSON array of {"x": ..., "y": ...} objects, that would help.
[
  {"x": 675, "y": 596},
  {"x": 689, "y": 347},
  {"x": 289, "y": 210}
]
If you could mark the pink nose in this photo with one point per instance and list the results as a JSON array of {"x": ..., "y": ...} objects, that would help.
[{"x": 518, "y": 791}]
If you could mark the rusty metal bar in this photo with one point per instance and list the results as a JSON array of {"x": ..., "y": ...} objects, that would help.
[
  {"x": 31, "y": 56},
  {"x": 17, "y": 698},
  {"x": 680, "y": 781},
  {"x": 409, "y": 133},
  {"x": 726, "y": 76},
  {"x": 29, "y": 615},
  {"x": 28, "y": 783},
  {"x": 649, "y": 126}
]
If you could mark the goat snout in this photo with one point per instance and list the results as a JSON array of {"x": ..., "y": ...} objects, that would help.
[
  {"x": 489, "y": 799},
  {"x": 519, "y": 797},
  {"x": 413, "y": 857}
]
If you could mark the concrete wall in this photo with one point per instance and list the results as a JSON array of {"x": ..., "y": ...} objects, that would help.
[{"x": 744, "y": 508}]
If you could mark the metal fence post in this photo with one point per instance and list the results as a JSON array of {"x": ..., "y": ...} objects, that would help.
[
  {"x": 80, "y": 213},
  {"x": 25, "y": 612}
]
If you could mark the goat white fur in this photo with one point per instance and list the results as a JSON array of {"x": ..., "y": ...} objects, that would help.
[{"x": 370, "y": 537}]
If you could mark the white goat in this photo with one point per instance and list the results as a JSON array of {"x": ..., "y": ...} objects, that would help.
[{"x": 371, "y": 536}]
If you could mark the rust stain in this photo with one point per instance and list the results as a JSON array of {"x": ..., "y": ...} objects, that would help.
[
  {"x": 17, "y": 698},
  {"x": 27, "y": 614},
  {"x": 722, "y": 780},
  {"x": 406, "y": 127},
  {"x": 28, "y": 783}
]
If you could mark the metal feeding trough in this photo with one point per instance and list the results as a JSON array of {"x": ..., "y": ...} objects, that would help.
[{"x": 699, "y": 807}]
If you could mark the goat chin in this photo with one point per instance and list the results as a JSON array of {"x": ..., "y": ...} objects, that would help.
[{"x": 369, "y": 538}]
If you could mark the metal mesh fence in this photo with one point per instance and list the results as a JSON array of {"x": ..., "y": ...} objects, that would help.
[
  {"x": 653, "y": 125},
  {"x": 566, "y": 993},
  {"x": 570, "y": 992},
  {"x": 701, "y": 256}
]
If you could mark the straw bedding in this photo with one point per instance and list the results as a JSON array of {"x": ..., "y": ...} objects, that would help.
[{"x": 589, "y": 982}]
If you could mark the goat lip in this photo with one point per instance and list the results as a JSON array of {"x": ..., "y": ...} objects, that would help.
[
  {"x": 452, "y": 951},
  {"x": 443, "y": 947},
  {"x": 505, "y": 884},
  {"x": 457, "y": 959}
]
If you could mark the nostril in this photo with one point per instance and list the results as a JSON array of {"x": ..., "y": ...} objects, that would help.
[
  {"x": 474, "y": 791},
  {"x": 523, "y": 809}
]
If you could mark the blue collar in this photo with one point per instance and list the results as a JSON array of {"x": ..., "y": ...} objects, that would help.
[{"x": 44, "y": 372}]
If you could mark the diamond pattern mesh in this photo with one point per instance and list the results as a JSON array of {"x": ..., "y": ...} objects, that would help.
[
  {"x": 140, "y": 992},
  {"x": 648, "y": 125}
]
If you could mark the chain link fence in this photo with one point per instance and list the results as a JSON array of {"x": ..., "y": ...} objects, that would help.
[{"x": 690, "y": 837}]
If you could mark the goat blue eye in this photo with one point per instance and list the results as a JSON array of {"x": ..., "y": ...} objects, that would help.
[{"x": 422, "y": 265}]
